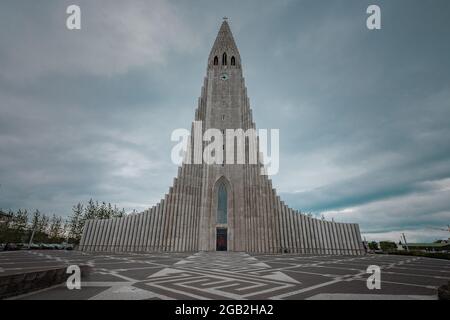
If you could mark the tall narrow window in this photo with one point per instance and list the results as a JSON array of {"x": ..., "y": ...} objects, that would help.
[
  {"x": 224, "y": 59},
  {"x": 222, "y": 209},
  {"x": 216, "y": 61},
  {"x": 233, "y": 61}
]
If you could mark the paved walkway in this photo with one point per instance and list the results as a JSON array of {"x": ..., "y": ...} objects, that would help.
[{"x": 240, "y": 276}]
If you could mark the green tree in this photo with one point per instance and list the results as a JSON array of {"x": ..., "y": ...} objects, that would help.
[
  {"x": 91, "y": 210},
  {"x": 76, "y": 222},
  {"x": 20, "y": 224},
  {"x": 55, "y": 231},
  {"x": 388, "y": 246},
  {"x": 373, "y": 245}
]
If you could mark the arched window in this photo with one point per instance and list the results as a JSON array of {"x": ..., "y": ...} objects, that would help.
[
  {"x": 233, "y": 61},
  {"x": 216, "y": 61},
  {"x": 224, "y": 59},
  {"x": 222, "y": 205}
]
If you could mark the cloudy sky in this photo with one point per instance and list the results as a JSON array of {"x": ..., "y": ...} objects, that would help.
[{"x": 364, "y": 115}]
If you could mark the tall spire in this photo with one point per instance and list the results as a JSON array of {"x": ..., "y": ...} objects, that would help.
[{"x": 224, "y": 44}]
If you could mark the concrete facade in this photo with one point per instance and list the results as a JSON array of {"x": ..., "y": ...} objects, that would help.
[{"x": 257, "y": 219}]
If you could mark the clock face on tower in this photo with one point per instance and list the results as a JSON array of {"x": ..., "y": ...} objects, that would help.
[{"x": 224, "y": 76}]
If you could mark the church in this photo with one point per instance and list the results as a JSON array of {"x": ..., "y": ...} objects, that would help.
[{"x": 222, "y": 207}]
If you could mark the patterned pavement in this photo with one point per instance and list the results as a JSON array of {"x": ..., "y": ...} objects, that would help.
[{"x": 226, "y": 275}]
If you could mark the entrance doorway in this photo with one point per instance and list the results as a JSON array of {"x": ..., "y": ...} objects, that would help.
[{"x": 221, "y": 243}]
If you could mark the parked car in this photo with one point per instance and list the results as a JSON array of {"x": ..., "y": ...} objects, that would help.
[
  {"x": 34, "y": 246},
  {"x": 10, "y": 247}
]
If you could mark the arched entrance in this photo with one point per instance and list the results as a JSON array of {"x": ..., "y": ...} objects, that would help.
[{"x": 222, "y": 217}]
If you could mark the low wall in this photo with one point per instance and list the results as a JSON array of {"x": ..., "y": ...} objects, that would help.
[{"x": 21, "y": 283}]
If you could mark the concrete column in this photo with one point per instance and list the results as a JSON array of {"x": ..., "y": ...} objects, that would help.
[
  {"x": 276, "y": 226},
  {"x": 335, "y": 241},
  {"x": 341, "y": 238},
  {"x": 159, "y": 227},
  {"x": 121, "y": 222},
  {"x": 177, "y": 213},
  {"x": 352, "y": 239},
  {"x": 196, "y": 208},
  {"x": 96, "y": 235},
  {"x": 300, "y": 231},
  {"x": 324, "y": 237},
  {"x": 171, "y": 217},
  {"x": 130, "y": 233},
  {"x": 262, "y": 236},
  {"x": 107, "y": 233},
  {"x": 85, "y": 236},
  {"x": 253, "y": 213},
  {"x": 145, "y": 230},
  {"x": 315, "y": 234},
  {"x": 193, "y": 185},
  {"x": 190, "y": 205},
  {"x": 165, "y": 231},
  {"x": 319, "y": 234},
  {"x": 297, "y": 233},
  {"x": 294, "y": 231},
  {"x": 312, "y": 235},
  {"x": 355, "y": 239},
  {"x": 176, "y": 216},
  {"x": 139, "y": 232},
  {"x": 114, "y": 234},
  {"x": 358, "y": 238},
  {"x": 89, "y": 226},
  {"x": 124, "y": 246},
  {"x": 147, "y": 242},
  {"x": 137, "y": 228},
  {"x": 281, "y": 224},
  {"x": 270, "y": 219},
  {"x": 246, "y": 244},
  {"x": 101, "y": 238},
  {"x": 329, "y": 239},
  {"x": 184, "y": 215},
  {"x": 346, "y": 239},
  {"x": 289, "y": 241},
  {"x": 305, "y": 234}
]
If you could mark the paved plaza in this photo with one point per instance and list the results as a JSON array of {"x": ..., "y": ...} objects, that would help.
[{"x": 226, "y": 275}]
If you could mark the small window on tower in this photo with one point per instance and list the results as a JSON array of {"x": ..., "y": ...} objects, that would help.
[
  {"x": 223, "y": 117},
  {"x": 233, "y": 61},
  {"x": 224, "y": 59},
  {"x": 216, "y": 61}
]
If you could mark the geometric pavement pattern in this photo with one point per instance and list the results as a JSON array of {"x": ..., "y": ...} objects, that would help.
[{"x": 233, "y": 275}]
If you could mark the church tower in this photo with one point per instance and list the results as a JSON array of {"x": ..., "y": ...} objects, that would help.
[{"x": 223, "y": 205}]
